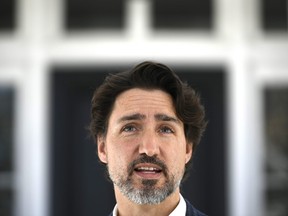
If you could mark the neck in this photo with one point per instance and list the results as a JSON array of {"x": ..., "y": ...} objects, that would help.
[{"x": 129, "y": 208}]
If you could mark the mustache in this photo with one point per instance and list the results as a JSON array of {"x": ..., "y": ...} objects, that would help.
[{"x": 147, "y": 159}]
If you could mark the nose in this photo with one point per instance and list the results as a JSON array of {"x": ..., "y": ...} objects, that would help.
[{"x": 149, "y": 144}]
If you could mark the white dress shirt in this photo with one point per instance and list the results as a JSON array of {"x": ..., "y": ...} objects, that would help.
[{"x": 180, "y": 209}]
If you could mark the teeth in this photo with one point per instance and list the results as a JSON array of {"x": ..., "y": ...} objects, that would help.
[{"x": 147, "y": 168}]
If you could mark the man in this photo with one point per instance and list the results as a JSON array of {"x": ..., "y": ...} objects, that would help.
[{"x": 147, "y": 124}]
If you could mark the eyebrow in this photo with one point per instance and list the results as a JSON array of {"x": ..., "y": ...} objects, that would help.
[
  {"x": 132, "y": 117},
  {"x": 164, "y": 117},
  {"x": 158, "y": 117}
]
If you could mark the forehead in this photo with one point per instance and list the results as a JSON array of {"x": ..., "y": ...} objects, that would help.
[{"x": 147, "y": 101}]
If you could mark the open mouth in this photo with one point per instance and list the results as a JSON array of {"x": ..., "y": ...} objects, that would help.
[{"x": 148, "y": 171}]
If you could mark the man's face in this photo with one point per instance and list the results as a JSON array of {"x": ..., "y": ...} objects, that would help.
[{"x": 145, "y": 146}]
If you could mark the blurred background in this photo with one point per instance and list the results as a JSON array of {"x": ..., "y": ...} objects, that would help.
[{"x": 53, "y": 54}]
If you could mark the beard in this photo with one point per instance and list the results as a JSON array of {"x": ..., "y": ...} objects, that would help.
[{"x": 148, "y": 192}]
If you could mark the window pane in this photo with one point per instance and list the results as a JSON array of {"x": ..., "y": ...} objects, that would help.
[
  {"x": 185, "y": 14},
  {"x": 274, "y": 15},
  {"x": 6, "y": 149},
  {"x": 6, "y": 129},
  {"x": 93, "y": 14},
  {"x": 7, "y": 14},
  {"x": 5, "y": 202},
  {"x": 276, "y": 126}
]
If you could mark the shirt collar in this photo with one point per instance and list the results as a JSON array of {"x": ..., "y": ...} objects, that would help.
[{"x": 180, "y": 209}]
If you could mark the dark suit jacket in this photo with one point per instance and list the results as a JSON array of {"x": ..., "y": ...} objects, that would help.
[{"x": 190, "y": 211}]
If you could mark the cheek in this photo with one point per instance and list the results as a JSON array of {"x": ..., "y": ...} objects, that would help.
[
  {"x": 176, "y": 154},
  {"x": 116, "y": 163},
  {"x": 120, "y": 152},
  {"x": 122, "y": 146}
]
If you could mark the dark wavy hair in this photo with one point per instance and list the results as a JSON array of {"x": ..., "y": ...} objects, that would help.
[{"x": 149, "y": 75}]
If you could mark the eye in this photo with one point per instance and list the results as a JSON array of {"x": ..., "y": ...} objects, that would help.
[
  {"x": 129, "y": 128},
  {"x": 166, "y": 130}
]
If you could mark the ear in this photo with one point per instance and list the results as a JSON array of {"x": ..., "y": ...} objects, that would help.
[
  {"x": 189, "y": 151},
  {"x": 101, "y": 148}
]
